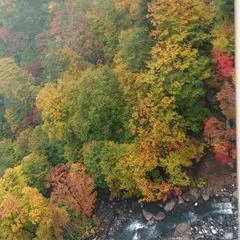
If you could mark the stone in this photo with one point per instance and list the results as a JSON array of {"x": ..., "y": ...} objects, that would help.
[
  {"x": 185, "y": 237},
  {"x": 182, "y": 229},
  {"x": 150, "y": 223},
  {"x": 187, "y": 197},
  {"x": 195, "y": 193},
  {"x": 160, "y": 216},
  {"x": 169, "y": 206},
  {"x": 235, "y": 194},
  {"x": 228, "y": 235},
  {"x": 225, "y": 199},
  {"x": 180, "y": 200},
  {"x": 148, "y": 215},
  {"x": 205, "y": 197},
  {"x": 214, "y": 231}
]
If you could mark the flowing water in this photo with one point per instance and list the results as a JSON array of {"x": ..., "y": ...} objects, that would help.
[{"x": 164, "y": 229}]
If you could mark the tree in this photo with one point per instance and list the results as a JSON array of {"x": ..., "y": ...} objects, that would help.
[
  {"x": 135, "y": 45},
  {"x": 7, "y": 158},
  {"x": 35, "y": 167},
  {"x": 92, "y": 158},
  {"x": 73, "y": 187},
  {"x": 19, "y": 93},
  {"x": 92, "y": 108}
]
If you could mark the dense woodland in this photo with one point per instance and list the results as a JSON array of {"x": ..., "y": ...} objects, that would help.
[{"x": 121, "y": 95}]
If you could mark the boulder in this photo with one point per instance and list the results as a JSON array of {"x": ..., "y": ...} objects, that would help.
[
  {"x": 160, "y": 216},
  {"x": 225, "y": 199},
  {"x": 235, "y": 194},
  {"x": 150, "y": 223},
  {"x": 195, "y": 193},
  {"x": 182, "y": 229},
  {"x": 180, "y": 200},
  {"x": 228, "y": 235},
  {"x": 187, "y": 197},
  {"x": 148, "y": 215},
  {"x": 169, "y": 206}
]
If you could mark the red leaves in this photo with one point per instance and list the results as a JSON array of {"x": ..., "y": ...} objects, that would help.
[
  {"x": 35, "y": 115},
  {"x": 223, "y": 158},
  {"x": 222, "y": 139},
  {"x": 227, "y": 100},
  {"x": 55, "y": 25},
  {"x": 34, "y": 68},
  {"x": 72, "y": 186},
  {"x": 225, "y": 63},
  {"x": 10, "y": 38}
]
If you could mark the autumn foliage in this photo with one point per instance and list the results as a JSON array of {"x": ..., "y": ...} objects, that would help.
[
  {"x": 120, "y": 95},
  {"x": 72, "y": 186}
]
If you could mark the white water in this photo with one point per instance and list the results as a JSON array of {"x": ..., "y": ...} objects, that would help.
[
  {"x": 160, "y": 230},
  {"x": 136, "y": 225},
  {"x": 223, "y": 208}
]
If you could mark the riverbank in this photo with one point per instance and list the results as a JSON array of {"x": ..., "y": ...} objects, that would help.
[{"x": 207, "y": 213}]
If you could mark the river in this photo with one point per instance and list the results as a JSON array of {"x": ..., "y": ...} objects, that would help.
[{"x": 214, "y": 214}]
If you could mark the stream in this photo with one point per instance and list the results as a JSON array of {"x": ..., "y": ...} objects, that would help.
[{"x": 209, "y": 220}]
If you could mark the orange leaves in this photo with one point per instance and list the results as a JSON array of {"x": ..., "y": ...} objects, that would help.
[{"x": 72, "y": 186}]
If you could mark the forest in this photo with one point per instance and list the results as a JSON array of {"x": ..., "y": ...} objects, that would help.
[{"x": 124, "y": 96}]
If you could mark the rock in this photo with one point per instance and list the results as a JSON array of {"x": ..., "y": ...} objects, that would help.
[
  {"x": 182, "y": 229},
  {"x": 147, "y": 215},
  {"x": 195, "y": 204},
  {"x": 205, "y": 197},
  {"x": 150, "y": 223},
  {"x": 235, "y": 194},
  {"x": 160, "y": 216},
  {"x": 228, "y": 235},
  {"x": 195, "y": 193},
  {"x": 234, "y": 175},
  {"x": 225, "y": 199},
  {"x": 214, "y": 231},
  {"x": 185, "y": 237},
  {"x": 169, "y": 206},
  {"x": 180, "y": 200},
  {"x": 187, "y": 197}
]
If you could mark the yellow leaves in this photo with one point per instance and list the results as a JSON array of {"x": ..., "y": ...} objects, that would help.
[
  {"x": 57, "y": 106},
  {"x": 184, "y": 13},
  {"x": 153, "y": 191},
  {"x": 172, "y": 57},
  {"x": 167, "y": 101},
  {"x": 52, "y": 7},
  {"x": 19, "y": 209}
]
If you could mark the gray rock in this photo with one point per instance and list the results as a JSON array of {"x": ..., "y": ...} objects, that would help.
[
  {"x": 187, "y": 197},
  {"x": 147, "y": 215},
  {"x": 180, "y": 200},
  {"x": 235, "y": 194},
  {"x": 150, "y": 223},
  {"x": 160, "y": 216},
  {"x": 228, "y": 235},
  {"x": 185, "y": 237},
  {"x": 169, "y": 206},
  {"x": 225, "y": 199},
  {"x": 205, "y": 197},
  {"x": 195, "y": 193},
  {"x": 182, "y": 229},
  {"x": 214, "y": 231}
]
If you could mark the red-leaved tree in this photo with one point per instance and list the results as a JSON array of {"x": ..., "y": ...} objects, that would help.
[{"x": 72, "y": 186}]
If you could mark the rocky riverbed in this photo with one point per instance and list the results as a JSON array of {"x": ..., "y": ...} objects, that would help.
[{"x": 209, "y": 213}]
